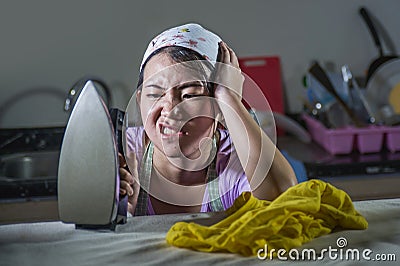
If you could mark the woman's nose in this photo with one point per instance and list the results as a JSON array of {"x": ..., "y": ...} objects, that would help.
[{"x": 170, "y": 105}]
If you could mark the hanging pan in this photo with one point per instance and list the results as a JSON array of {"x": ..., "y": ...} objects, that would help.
[
  {"x": 382, "y": 57},
  {"x": 383, "y": 80}
]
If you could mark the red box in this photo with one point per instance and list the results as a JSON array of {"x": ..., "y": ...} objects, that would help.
[{"x": 265, "y": 71}]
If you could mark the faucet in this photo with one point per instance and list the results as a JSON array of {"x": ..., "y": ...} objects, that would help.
[{"x": 78, "y": 86}]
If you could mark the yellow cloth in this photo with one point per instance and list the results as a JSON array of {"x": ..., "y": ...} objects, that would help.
[{"x": 305, "y": 211}]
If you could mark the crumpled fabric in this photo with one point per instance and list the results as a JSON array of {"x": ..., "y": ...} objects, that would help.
[{"x": 300, "y": 214}]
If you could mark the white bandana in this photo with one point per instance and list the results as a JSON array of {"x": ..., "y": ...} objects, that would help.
[{"x": 192, "y": 36}]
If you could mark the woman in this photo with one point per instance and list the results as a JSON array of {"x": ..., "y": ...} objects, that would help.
[{"x": 190, "y": 83}]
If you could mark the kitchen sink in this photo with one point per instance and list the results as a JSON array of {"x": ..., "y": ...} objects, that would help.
[{"x": 30, "y": 165}]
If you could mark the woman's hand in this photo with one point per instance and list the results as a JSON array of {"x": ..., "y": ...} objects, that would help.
[
  {"x": 268, "y": 171},
  {"x": 229, "y": 78},
  {"x": 129, "y": 182}
]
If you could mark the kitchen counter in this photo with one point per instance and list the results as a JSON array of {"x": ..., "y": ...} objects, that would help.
[
  {"x": 43, "y": 210},
  {"x": 371, "y": 176},
  {"x": 362, "y": 176}
]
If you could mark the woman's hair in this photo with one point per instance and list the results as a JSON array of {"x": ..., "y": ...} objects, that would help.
[{"x": 180, "y": 55}]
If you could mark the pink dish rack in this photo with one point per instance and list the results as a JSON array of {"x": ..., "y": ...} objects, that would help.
[
  {"x": 344, "y": 140},
  {"x": 393, "y": 138}
]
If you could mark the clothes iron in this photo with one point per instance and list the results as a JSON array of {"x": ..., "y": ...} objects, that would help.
[{"x": 88, "y": 171}]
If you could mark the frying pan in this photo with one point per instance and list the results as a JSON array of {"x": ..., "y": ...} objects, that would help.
[
  {"x": 383, "y": 81},
  {"x": 382, "y": 58},
  {"x": 382, "y": 92}
]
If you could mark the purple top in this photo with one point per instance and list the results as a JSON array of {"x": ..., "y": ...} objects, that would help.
[{"x": 232, "y": 180}]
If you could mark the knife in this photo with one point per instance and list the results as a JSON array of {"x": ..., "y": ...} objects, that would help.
[{"x": 317, "y": 71}]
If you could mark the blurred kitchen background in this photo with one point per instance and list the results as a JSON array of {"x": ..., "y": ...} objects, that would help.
[{"x": 47, "y": 45}]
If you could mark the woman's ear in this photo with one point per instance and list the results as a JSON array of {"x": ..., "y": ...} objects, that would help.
[{"x": 138, "y": 96}]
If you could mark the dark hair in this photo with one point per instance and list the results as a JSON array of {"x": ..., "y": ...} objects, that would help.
[{"x": 179, "y": 55}]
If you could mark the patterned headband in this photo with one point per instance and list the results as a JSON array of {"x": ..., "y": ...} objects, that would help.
[{"x": 192, "y": 36}]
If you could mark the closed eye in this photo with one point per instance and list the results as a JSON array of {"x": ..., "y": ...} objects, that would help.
[
  {"x": 192, "y": 89},
  {"x": 195, "y": 84},
  {"x": 190, "y": 96},
  {"x": 153, "y": 95}
]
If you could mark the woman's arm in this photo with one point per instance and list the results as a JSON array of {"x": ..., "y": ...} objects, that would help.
[{"x": 268, "y": 171}]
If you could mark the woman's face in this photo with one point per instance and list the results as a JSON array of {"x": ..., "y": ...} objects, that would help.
[{"x": 175, "y": 107}]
